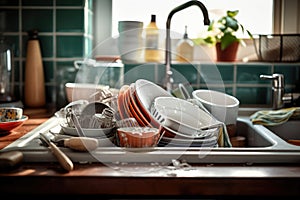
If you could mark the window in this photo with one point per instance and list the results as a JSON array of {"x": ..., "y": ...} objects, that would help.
[{"x": 255, "y": 15}]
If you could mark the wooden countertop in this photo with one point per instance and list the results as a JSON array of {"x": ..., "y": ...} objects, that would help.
[{"x": 141, "y": 181}]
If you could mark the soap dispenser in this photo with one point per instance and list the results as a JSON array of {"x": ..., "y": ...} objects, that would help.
[{"x": 185, "y": 49}]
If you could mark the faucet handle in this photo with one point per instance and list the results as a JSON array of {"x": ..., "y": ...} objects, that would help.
[{"x": 278, "y": 79}]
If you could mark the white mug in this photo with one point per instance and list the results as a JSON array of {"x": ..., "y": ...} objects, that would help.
[{"x": 222, "y": 106}]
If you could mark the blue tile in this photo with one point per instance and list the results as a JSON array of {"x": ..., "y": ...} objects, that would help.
[
  {"x": 216, "y": 74},
  {"x": 17, "y": 71},
  {"x": 70, "y": 46},
  {"x": 250, "y": 73},
  {"x": 253, "y": 95},
  {"x": 37, "y": 3},
  {"x": 184, "y": 73},
  {"x": 46, "y": 43},
  {"x": 10, "y": 19},
  {"x": 68, "y": 20},
  {"x": 139, "y": 71},
  {"x": 46, "y": 46},
  {"x": 49, "y": 71},
  {"x": 291, "y": 72},
  {"x": 40, "y": 19},
  {"x": 9, "y": 3},
  {"x": 70, "y": 2}
]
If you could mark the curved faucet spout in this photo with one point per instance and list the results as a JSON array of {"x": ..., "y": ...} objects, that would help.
[{"x": 206, "y": 20}]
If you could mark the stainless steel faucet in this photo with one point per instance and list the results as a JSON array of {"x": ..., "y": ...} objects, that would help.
[
  {"x": 168, "y": 78},
  {"x": 277, "y": 89}
]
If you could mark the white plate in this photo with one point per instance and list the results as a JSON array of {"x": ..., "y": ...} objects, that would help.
[
  {"x": 209, "y": 142},
  {"x": 199, "y": 134},
  {"x": 146, "y": 92},
  {"x": 103, "y": 141},
  {"x": 87, "y": 132},
  {"x": 182, "y": 116}
]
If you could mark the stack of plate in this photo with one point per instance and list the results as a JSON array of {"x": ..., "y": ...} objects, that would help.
[
  {"x": 135, "y": 100},
  {"x": 181, "y": 123},
  {"x": 184, "y": 123},
  {"x": 105, "y": 136}
]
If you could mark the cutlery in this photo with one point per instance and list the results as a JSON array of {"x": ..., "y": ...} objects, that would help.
[{"x": 62, "y": 158}]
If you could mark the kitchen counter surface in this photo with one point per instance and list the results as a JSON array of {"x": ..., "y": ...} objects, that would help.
[{"x": 143, "y": 180}]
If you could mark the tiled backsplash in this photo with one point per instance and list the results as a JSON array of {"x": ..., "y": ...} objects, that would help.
[
  {"x": 238, "y": 79},
  {"x": 65, "y": 30}
]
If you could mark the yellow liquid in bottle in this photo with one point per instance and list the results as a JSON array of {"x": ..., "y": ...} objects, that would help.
[{"x": 152, "y": 53}]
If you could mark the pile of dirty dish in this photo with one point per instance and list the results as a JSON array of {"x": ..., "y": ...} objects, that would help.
[
  {"x": 178, "y": 122},
  {"x": 142, "y": 115},
  {"x": 82, "y": 118}
]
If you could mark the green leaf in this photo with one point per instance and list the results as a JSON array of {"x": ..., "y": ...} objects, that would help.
[
  {"x": 227, "y": 40},
  {"x": 232, "y": 13},
  {"x": 198, "y": 41},
  {"x": 210, "y": 40},
  {"x": 250, "y": 34},
  {"x": 211, "y": 26},
  {"x": 232, "y": 23}
]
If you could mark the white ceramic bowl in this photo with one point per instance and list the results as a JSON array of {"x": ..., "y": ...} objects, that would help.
[
  {"x": 182, "y": 116},
  {"x": 89, "y": 132},
  {"x": 221, "y": 105},
  {"x": 85, "y": 91}
]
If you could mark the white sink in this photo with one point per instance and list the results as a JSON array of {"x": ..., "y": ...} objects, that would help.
[
  {"x": 290, "y": 130},
  {"x": 263, "y": 146}
]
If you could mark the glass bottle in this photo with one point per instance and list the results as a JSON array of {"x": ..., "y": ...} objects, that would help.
[
  {"x": 152, "y": 53},
  {"x": 6, "y": 71},
  {"x": 185, "y": 49}
]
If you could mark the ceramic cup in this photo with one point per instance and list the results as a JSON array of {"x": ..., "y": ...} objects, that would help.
[
  {"x": 8, "y": 114},
  {"x": 222, "y": 106},
  {"x": 130, "y": 41}
]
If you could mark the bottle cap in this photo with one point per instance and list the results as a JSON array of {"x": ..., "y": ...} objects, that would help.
[
  {"x": 185, "y": 36},
  {"x": 153, "y": 18},
  {"x": 33, "y": 34}
]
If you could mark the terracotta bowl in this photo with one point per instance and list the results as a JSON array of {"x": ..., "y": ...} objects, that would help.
[{"x": 138, "y": 137}]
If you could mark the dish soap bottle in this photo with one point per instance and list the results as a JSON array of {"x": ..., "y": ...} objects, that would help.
[
  {"x": 34, "y": 89},
  {"x": 185, "y": 49},
  {"x": 152, "y": 53}
]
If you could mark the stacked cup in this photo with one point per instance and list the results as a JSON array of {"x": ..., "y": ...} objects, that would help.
[{"x": 130, "y": 41}]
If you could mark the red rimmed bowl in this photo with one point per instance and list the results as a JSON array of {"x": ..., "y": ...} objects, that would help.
[{"x": 11, "y": 125}]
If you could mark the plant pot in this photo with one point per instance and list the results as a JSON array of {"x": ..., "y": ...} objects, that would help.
[{"x": 228, "y": 54}]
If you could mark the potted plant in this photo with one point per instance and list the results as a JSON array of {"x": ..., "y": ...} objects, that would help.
[{"x": 223, "y": 35}]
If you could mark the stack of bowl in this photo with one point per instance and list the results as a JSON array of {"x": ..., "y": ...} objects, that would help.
[
  {"x": 180, "y": 123},
  {"x": 184, "y": 124}
]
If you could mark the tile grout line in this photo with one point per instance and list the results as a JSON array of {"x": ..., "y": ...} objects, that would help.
[
  {"x": 21, "y": 66},
  {"x": 54, "y": 52},
  {"x": 234, "y": 86}
]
